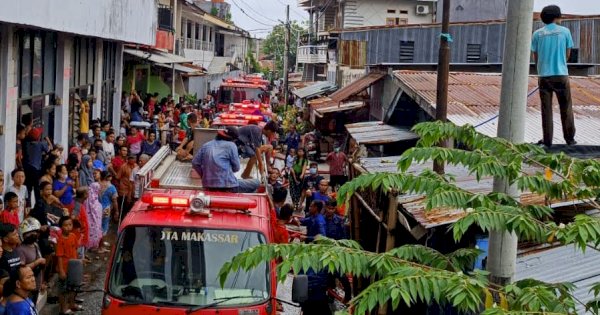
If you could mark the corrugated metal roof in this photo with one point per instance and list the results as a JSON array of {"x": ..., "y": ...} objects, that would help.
[
  {"x": 414, "y": 204},
  {"x": 315, "y": 89},
  {"x": 156, "y": 56},
  {"x": 377, "y": 132},
  {"x": 473, "y": 98},
  {"x": 356, "y": 87},
  {"x": 331, "y": 108},
  {"x": 563, "y": 264}
]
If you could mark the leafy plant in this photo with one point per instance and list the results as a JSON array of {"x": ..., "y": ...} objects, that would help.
[
  {"x": 410, "y": 274},
  {"x": 191, "y": 98}
]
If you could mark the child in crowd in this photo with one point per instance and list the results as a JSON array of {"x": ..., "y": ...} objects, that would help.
[
  {"x": 63, "y": 186},
  {"x": 10, "y": 214},
  {"x": 66, "y": 249},
  {"x": 19, "y": 188},
  {"x": 80, "y": 220},
  {"x": 285, "y": 215}
]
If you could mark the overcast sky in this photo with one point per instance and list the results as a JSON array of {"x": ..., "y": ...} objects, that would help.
[{"x": 261, "y": 15}]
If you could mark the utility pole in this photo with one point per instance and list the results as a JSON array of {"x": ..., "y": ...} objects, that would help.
[
  {"x": 502, "y": 254},
  {"x": 286, "y": 54},
  {"x": 297, "y": 46},
  {"x": 441, "y": 103}
]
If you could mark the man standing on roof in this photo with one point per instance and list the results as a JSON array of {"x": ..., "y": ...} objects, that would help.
[
  {"x": 252, "y": 145},
  {"x": 218, "y": 160},
  {"x": 551, "y": 47}
]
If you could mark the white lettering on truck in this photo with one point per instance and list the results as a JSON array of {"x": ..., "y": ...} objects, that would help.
[{"x": 167, "y": 235}]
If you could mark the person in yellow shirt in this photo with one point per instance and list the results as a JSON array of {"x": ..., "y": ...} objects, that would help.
[{"x": 84, "y": 117}]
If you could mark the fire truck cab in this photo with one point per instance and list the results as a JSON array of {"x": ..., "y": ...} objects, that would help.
[
  {"x": 236, "y": 91},
  {"x": 174, "y": 241}
]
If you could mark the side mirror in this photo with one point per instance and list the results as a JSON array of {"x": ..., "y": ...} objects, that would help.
[{"x": 300, "y": 289}]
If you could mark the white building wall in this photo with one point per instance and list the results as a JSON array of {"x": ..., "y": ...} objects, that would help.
[
  {"x": 9, "y": 94},
  {"x": 132, "y": 21},
  {"x": 374, "y": 12}
]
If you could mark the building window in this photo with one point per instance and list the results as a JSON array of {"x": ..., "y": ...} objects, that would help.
[
  {"x": 403, "y": 11},
  {"x": 108, "y": 79},
  {"x": 395, "y": 21},
  {"x": 210, "y": 35},
  {"x": 473, "y": 52},
  {"x": 197, "y": 37},
  {"x": 165, "y": 17},
  {"x": 390, "y": 11},
  {"x": 407, "y": 51},
  {"x": 189, "y": 29},
  {"x": 37, "y": 63},
  {"x": 204, "y": 31}
]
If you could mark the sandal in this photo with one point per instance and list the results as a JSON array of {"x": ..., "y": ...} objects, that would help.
[
  {"x": 78, "y": 308},
  {"x": 68, "y": 312}
]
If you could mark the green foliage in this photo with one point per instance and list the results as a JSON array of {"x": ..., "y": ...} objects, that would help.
[
  {"x": 274, "y": 44},
  {"x": 410, "y": 274},
  {"x": 191, "y": 98},
  {"x": 214, "y": 11}
]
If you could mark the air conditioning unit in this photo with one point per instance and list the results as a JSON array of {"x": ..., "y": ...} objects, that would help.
[{"x": 422, "y": 9}]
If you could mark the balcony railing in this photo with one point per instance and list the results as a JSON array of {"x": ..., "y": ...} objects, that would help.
[
  {"x": 312, "y": 54},
  {"x": 195, "y": 44}
]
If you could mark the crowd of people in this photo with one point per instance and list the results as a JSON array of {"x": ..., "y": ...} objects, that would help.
[{"x": 59, "y": 206}]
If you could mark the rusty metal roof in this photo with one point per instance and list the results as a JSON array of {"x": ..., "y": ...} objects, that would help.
[
  {"x": 414, "y": 204},
  {"x": 347, "y": 91},
  {"x": 377, "y": 132},
  {"x": 332, "y": 108},
  {"x": 473, "y": 98},
  {"x": 356, "y": 87}
]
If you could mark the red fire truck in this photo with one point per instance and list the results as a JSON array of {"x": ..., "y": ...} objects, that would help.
[
  {"x": 238, "y": 90},
  {"x": 174, "y": 241}
]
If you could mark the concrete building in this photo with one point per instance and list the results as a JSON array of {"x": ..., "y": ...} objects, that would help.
[
  {"x": 51, "y": 54},
  {"x": 318, "y": 59}
]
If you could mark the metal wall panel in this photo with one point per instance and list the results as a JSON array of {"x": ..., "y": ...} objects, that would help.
[{"x": 383, "y": 42}]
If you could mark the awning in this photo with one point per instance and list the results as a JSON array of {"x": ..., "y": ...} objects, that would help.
[
  {"x": 318, "y": 88},
  {"x": 376, "y": 132},
  {"x": 333, "y": 108},
  {"x": 350, "y": 90},
  {"x": 156, "y": 56},
  {"x": 182, "y": 68}
]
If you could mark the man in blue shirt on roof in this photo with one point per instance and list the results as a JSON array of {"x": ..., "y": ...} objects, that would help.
[
  {"x": 551, "y": 48},
  {"x": 218, "y": 160}
]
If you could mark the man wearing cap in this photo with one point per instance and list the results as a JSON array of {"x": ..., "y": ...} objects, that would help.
[
  {"x": 33, "y": 151},
  {"x": 218, "y": 160}
]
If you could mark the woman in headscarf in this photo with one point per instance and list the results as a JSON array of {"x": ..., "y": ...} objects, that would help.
[
  {"x": 94, "y": 213},
  {"x": 86, "y": 172}
]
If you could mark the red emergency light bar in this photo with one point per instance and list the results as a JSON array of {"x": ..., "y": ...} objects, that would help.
[
  {"x": 161, "y": 200},
  {"x": 242, "y": 116},
  {"x": 230, "y": 122},
  {"x": 216, "y": 202}
]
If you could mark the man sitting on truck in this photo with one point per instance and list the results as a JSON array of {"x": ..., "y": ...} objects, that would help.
[
  {"x": 184, "y": 150},
  {"x": 251, "y": 144},
  {"x": 218, "y": 160}
]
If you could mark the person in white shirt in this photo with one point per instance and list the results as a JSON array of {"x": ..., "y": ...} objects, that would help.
[
  {"x": 108, "y": 146},
  {"x": 18, "y": 187}
]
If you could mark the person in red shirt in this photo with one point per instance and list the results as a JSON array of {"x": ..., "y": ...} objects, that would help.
[
  {"x": 66, "y": 249},
  {"x": 135, "y": 140},
  {"x": 10, "y": 214},
  {"x": 337, "y": 161},
  {"x": 285, "y": 215},
  {"x": 118, "y": 161}
]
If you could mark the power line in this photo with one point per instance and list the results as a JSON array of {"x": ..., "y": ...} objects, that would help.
[
  {"x": 260, "y": 14},
  {"x": 292, "y": 8},
  {"x": 249, "y": 16}
]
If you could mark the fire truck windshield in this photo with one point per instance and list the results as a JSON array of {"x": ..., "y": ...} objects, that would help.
[
  {"x": 179, "y": 266},
  {"x": 238, "y": 94}
]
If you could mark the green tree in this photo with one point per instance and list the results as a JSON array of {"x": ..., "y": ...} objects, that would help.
[
  {"x": 410, "y": 274},
  {"x": 274, "y": 44}
]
